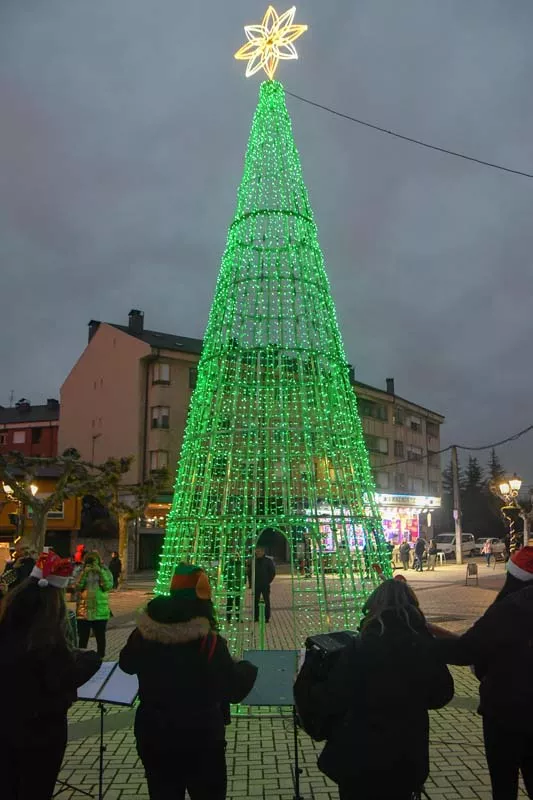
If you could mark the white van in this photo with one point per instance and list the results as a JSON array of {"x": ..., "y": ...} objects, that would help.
[{"x": 446, "y": 544}]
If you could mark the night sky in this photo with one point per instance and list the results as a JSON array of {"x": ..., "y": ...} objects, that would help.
[{"x": 123, "y": 126}]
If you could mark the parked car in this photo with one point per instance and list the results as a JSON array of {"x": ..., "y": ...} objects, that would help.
[
  {"x": 446, "y": 544},
  {"x": 498, "y": 545}
]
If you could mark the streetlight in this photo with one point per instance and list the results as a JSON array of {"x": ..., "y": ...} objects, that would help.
[{"x": 507, "y": 489}]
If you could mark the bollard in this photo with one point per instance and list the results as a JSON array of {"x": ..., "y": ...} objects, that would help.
[{"x": 261, "y": 624}]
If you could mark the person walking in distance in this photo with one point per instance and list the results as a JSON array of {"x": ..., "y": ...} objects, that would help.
[
  {"x": 187, "y": 679},
  {"x": 115, "y": 568},
  {"x": 233, "y": 575},
  {"x": 487, "y": 551},
  {"x": 405, "y": 554},
  {"x": 420, "y": 549},
  {"x": 432, "y": 555},
  {"x": 92, "y": 602},
  {"x": 500, "y": 646},
  {"x": 265, "y": 572}
]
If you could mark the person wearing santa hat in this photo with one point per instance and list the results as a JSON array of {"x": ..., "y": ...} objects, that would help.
[
  {"x": 42, "y": 674},
  {"x": 500, "y": 646}
]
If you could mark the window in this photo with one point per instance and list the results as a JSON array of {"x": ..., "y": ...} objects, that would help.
[
  {"x": 160, "y": 416},
  {"x": 433, "y": 459},
  {"x": 368, "y": 408},
  {"x": 36, "y": 434},
  {"x": 415, "y": 423},
  {"x": 19, "y": 437},
  {"x": 377, "y": 445},
  {"x": 161, "y": 373},
  {"x": 432, "y": 429},
  {"x": 415, "y": 485},
  {"x": 382, "y": 480},
  {"x": 193, "y": 376},
  {"x": 399, "y": 417},
  {"x": 434, "y": 488},
  {"x": 3, "y": 439},
  {"x": 158, "y": 459},
  {"x": 398, "y": 449},
  {"x": 401, "y": 485},
  {"x": 414, "y": 453}
]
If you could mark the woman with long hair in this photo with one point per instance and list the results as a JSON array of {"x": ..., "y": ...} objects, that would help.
[
  {"x": 187, "y": 679},
  {"x": 374, "y": 702},
  {"x": 41, "y": 674}
]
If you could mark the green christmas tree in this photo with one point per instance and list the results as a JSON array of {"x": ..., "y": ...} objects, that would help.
[{"x": 273, "y": 438}]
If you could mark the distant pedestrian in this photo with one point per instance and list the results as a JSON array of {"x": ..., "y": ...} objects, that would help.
[
  {"x": 420, "y": 549},
  {"x": 432, "y": 555},
  {"x": 92, "y": 602},
  {"x": 405, "y": 554},
  {"x": 115, "y": 568},
  {"x": 233, "y": 579},
  {"x": 488, "y": 551},
  {"x": 499, "y": 645},
  {"x": 187, "y": 680},
  {"x": 261, "y": 573}
]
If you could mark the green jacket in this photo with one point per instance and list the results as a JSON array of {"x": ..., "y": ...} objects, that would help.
[{"x": 92, "y": 598}]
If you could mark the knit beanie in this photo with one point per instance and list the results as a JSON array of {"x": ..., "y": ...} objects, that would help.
[
  {"x": 190, "y": 596},
  {"x": 520, "y": 565},
  {"x": 189, "y": 581}
]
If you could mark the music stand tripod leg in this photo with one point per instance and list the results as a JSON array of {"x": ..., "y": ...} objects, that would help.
[
  {"x": 102, "y": 751},
  {"x": 297, "y": 769}
]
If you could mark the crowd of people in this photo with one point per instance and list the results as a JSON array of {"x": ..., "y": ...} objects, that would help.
[{"x": 376, "y": 730}]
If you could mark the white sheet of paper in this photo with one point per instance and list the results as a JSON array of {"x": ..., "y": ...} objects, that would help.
[
  {"x": 89, "y": 690},
  {"x": 121, "y": 689}
]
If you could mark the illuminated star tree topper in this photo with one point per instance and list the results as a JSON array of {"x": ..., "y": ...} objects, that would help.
[{"x": 270, "y": 42}]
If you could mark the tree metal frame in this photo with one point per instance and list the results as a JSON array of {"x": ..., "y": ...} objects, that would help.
[{"x": 273, "y": 437}]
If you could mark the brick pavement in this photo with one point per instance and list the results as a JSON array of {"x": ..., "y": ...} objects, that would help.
[{"x": 260, "y": 751}]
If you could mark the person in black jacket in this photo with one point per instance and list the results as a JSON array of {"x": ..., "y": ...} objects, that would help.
[
  {"x": 41, "y": 674},
  {"x": 187, "y": 679},
  {"x": 500, "y": 646},
  {"x": 115, "y": 568},
  {"x": 19, "y": 569},
  {"x": 377, "y": 744},
  {"x": 261, "y": 573},
  {"x": 420, "y": 549}
]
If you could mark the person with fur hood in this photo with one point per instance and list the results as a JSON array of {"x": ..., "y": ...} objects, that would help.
[
  {"x": 500, "y": 647},
  {"x": 187, "y": 679}
]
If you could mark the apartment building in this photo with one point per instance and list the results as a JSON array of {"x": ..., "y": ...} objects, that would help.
[
  {"x": 129, "y": 394},
  {"x": 32, "y": 430}
]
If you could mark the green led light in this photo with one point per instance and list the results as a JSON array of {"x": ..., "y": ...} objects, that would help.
[{"x": 273, "y": 437}]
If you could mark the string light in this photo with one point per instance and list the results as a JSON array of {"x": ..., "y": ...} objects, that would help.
[
  {"x": 270, "y": 42},
  {"x": 273, "y": 437}
]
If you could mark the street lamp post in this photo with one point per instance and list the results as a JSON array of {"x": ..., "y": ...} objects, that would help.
[{"x": 507, "y": 489}]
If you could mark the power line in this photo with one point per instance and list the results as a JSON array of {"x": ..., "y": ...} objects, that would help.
[
  {"x": 410, "y": 139},
  {"x": 508, "y": 439}
]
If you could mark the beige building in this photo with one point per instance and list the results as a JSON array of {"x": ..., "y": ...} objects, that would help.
[{"x": 129, "y": 393}]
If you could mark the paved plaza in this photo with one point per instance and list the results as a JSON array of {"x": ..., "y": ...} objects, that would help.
[{"x": 260, "y": 751}]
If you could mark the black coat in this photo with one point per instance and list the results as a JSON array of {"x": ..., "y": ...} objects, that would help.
[
  {"x": 40, "y": 685},
  {"x": 500, "y": 646},
  {"x": 115, "y": 566},
  {"x": 184, "y": 691},
  {"x": 265, "y": 572},
  {"x": 377, "y": 698}
]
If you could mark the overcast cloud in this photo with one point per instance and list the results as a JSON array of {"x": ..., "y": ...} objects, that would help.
[{"x": 123, "y": 126}]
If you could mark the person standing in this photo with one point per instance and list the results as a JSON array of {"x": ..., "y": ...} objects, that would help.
[
  {"x": 233, "y": 575},
  {"x": 92, "y": 602},
  {"x": 500, "y": 646},
  {"x": 420, "y": 549},
  {"x": 18, "y": 569},
  {"x": 432, "y": 555},
  {"x": 115, "y": 568},
  {"x": 405, "y": 554},
  {"x": 42, "y": 673},
  {"x": 377, "y": 739},
  {"x": 187, "y": 679},
  {"x": 264, "y": 574},
  {"x": 487, "y": 551}
]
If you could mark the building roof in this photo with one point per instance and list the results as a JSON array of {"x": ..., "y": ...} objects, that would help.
[
  {"x": 164, "y": 341},
  {"x": 391, "y": 397},
  {"x": 28, "y": 413}
]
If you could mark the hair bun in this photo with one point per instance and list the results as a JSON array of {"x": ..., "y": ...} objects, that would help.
[{"x": 42, "y": 583}]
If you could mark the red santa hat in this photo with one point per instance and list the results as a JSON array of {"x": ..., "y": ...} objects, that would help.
[
  {"x": 520, "y": 565},
  {"x": 51, "y": 570}
]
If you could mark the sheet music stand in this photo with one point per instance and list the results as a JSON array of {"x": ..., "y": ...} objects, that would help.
[
  {"x": 112, "y": 686},
  {"x": 274, "y": 687}
]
